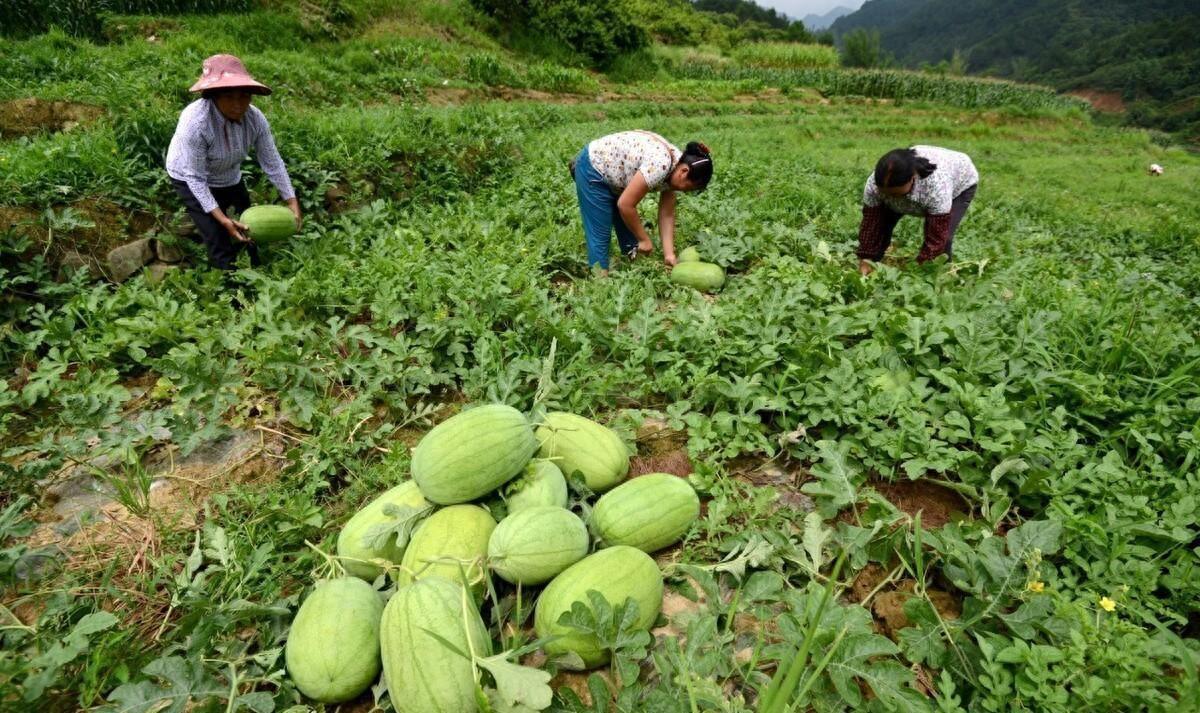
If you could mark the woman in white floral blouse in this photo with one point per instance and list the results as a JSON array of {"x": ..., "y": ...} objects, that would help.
[
  {"x": 615, "y": 172},
  {"x": 937, "y": 184}
]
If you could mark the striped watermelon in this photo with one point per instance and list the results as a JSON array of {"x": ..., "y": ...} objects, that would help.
[
  {"x": 578, "y": 445},
  {"x": 534, "y": 544},
  {"x": 649, "y": 512},
  {"x": 423, "y": 675},
  {"x": 332, "y": 650},
  {"x": 617, "y": 573},
  {"x": 473, "y": 453},
  {"x": 450, "y": 543}
]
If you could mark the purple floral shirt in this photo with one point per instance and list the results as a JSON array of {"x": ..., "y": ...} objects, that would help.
[{"x": 208, "y": 149}]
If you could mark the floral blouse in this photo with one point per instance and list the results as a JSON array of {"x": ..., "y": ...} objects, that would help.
[
  {"x": 930, "y": 196},
  {"x": 619, "y": 157}
]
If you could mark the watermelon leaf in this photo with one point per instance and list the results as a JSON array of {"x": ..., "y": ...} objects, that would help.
[
  {"x": 836, "y": 481},
  {"x": 518, "y": 685}
]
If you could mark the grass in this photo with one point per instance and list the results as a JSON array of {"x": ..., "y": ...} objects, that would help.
[{"x": 1048, "y": 377}]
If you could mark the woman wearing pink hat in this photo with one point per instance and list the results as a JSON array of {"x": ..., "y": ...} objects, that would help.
[{"x": 214, "y": 135}]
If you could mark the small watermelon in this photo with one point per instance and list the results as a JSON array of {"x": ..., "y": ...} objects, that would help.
[{"x": 689, "y": 255}]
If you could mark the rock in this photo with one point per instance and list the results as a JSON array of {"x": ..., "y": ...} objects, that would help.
[
  {"x": 158, "y": 271},
  {"x": 125, "y": 260},
  {"x": 337, "y": 198},
  {"x": 168, "y": 252},
  {"x": 73, "y": 261},
  {"x": 77, "y": 496},
  {"x": 183, "y": 227}
]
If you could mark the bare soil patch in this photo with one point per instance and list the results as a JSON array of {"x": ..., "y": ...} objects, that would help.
[
  {"x": 97, "y": 227},
  {"x": 888, "y": 607},
  {"x": 1104, "y": 102},
  {"x": 937, "y": 504},
  {"x": 785, "y": 476},
  {"x": 25, "y": 117}
]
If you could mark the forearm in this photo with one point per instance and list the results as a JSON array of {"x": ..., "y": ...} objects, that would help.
[
  {"x": 666, "y": 224},
  {"x": 629, "y": 214},
  {"x": 937, "y": 237},
  {"x": 870, "y": 234}
]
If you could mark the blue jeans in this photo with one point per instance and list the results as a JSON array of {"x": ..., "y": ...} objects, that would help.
[{"x": 598, "y": 206}]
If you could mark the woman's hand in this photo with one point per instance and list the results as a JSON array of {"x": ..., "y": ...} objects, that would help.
[
  {"x": 670, "y": 259},
  {"x": 295, "y": 206},
  {"x": 236, "y": 230},
  {"x": 865, "y": 268}
]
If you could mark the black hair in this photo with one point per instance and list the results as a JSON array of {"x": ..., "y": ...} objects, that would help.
[
  {"x": 699, "y": 161},
  {"x": 898, "y": 167}
]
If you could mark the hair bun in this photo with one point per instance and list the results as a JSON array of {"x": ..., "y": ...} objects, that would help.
[{"x": 698, "y": 149}]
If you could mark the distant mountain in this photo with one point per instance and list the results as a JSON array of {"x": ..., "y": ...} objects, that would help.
[
  {"x": 1148, "y": 51},
  {"x": 823, "y": 22}
]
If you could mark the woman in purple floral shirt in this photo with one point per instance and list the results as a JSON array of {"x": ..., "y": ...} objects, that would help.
[{"x": 214, "y": 135}]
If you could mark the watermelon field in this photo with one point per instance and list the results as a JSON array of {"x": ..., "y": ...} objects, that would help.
[{"x": 971, "y": 486}]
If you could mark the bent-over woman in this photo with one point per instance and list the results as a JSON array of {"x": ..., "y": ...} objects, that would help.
[
  {"x": 214, "y": 135},
  {"x": 927, "y": 181},
  {"x": 615, "y": 172}
]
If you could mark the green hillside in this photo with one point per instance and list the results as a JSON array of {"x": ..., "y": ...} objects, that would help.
[
  {"x": 956, "y": 487},
  {"x": 1147, "y": 52}
]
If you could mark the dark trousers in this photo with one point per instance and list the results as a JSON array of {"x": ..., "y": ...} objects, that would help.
[
  {"x": 222, "y": 248},
  {"x": 958, "y": 211}
]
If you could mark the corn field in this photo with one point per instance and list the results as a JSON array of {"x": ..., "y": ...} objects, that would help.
[
  {"x": 963, "y": 92},
  {"x": 785, "y": 55}
]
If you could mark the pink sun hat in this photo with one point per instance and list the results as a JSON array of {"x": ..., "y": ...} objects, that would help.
[{"x": 224, "y": 71}]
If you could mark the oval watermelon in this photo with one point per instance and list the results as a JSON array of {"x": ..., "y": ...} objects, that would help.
[
  {"x": 269, "y": 223},
  {"x": 473, "y": 453},
  {"x": 690, "y": 254},
  {"x": 541, "y": 484},
  {"x": 703, "y": 276},
  {"x": 533, "y": 545},
  {"x": 579, "y": 445},
  {"x": 617, "y": 573},
  {"x": 366, "y": 535},
  {"x": 332, "y": 650},
  {"x": 424, "y": 675},
  {"x": 648, "y": 512},
  {"x": 450, "y": 543}
]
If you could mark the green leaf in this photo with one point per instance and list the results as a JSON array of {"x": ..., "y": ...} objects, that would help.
[
  {"x": 518, "y": 685},
  {"x": 834, "y": 487},
  {"x": 815, "y": 536},
  {"x": 1042, "y": 535},
  {"x": 182, "y": 684},
  {"x": 403, "y": 520}
]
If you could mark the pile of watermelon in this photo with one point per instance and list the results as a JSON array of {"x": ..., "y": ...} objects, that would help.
[{"x": 483, "y": 460}]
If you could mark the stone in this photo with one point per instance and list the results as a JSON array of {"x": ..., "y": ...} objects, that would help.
[
  {"x": 183, "y": 226},
  {"x": 73, "y": 261},
  {"x": 125, "y": 260},
  {"x": 168, "y": 252},
  {"x": 156, "y": 272}
]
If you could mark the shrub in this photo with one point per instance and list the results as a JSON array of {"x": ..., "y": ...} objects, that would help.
[{"x": 600, "y": 30}]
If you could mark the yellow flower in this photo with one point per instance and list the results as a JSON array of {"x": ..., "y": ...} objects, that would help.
[
  {"x": 1036, "y": 586},
  {"x": 1107, "y": 604}
]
